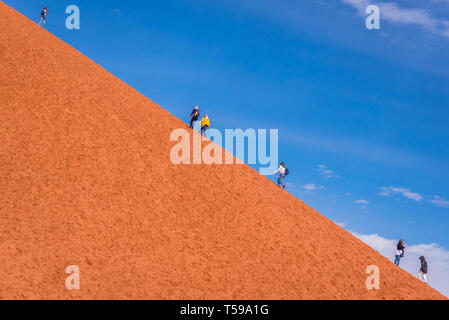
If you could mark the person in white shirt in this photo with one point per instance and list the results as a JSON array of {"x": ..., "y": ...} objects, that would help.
[
  {"x": 282, "y": 173},
  {"x": 400, "y": 248}
]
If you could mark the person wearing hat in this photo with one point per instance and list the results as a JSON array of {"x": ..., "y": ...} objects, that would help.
[
  {"x": 205, "y": 124},
  {"x": 43, "y": 17},
  {"x": 194, "y": 116},
  {"x": 423, "y": 270}
]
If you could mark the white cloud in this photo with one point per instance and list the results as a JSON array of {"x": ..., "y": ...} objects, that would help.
[
  {"x": 325, "y": 172},
  {"x": 435, "y": 200},
  {"x": 391, "y": 190},
  {"x": 437, "y": 258},
  {"x": 359, "y": 5},
  {"x": 312, "y": 187},
  {"x": 439, "y": 201},
  {"x": 341, "y": 224},
  {"x": 394, "y": 13},
  {"x": 362, "y": 201}
]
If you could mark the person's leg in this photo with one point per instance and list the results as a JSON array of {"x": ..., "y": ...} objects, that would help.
[
  {"x": 396, "y": 260},
  {"x": 424, "y": 277},
  {"x": 205, "y": 130},
  {"x": 280, "y": 181},
  {"x": 192, "y": 123},
  {"x": 419, "y": 275}
]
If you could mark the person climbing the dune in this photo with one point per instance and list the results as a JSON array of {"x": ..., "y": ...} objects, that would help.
[
  {"x": 194, "y": 116},
  {"x": 283, "y": 172},
  {"x": 43, "y": 17},
  {"x": 423, "y": 270},
  {"x": 205, "y": 123},
  {"x": 400, "y": 249}
]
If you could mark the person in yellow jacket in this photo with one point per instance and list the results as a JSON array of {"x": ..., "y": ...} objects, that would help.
[{"x": 205, "y": 123}]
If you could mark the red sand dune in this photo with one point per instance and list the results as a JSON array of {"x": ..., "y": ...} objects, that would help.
[{"x": 86, "y": 179}]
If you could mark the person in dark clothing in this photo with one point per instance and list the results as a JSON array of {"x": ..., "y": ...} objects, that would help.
[
  {"x": 400, "y": 249},
  {"x": 194, "y": 116},
  {"x": 423, "y": 270},
  {"x": 43, "y": 17}
]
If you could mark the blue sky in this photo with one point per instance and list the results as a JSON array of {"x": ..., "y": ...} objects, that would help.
[{"x": 362, "y": 114}]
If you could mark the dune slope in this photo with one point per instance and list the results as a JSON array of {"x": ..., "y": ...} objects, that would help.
[{"x": 87, "y": 180}]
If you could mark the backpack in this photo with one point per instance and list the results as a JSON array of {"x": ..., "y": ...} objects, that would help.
[{"x": 287, "y": 172}]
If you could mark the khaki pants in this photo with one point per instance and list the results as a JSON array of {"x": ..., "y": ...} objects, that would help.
[{"x": 422, "y": 275}]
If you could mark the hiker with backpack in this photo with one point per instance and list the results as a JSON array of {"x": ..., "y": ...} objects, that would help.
[
  {"x": 43, "y": 17},
  {"x": 400, "y": 249},
  {"x": 283, "y": 172},
  {"x": 194, "y": 116},
  {"x": 205, "y": 124},
  {"x": 423, "y": 270}
]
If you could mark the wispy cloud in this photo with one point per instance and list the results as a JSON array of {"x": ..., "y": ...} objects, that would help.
[
  {"x": 391, "y": 191},
  {"x": 439, "y": 201},
  {"x": 326, "y": 172},
  {"x": 353, "y": 147},
  {"x": 117, "y": 11},
  {"x": 312, "y": 187},
  {"x": 362, "y": 201},
  {"x": 396, "y": 14},
  {"x": 309, "y": 188},
  {"x": 407, "y": 193},
  {"x": 437, "y": 258}
]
